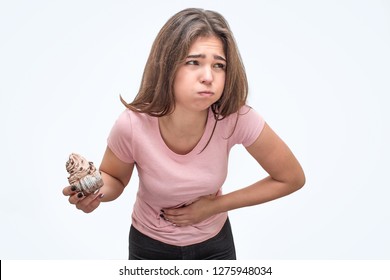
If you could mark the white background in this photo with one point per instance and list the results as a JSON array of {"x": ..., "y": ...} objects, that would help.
[{"x": 319, "y": 73}]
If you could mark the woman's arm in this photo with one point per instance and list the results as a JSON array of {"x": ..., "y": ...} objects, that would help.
[
  {"x": 285, "y": 176},
  {"x": 116, "y": 175}
]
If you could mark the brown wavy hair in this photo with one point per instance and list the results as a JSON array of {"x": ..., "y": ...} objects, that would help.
[{"x": 169, "y": 50}]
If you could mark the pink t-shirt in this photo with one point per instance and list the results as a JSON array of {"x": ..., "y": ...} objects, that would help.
[{"x": 167, "y": 179}]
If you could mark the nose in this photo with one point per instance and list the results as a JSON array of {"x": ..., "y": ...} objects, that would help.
[{"x": 207, "y": 75}]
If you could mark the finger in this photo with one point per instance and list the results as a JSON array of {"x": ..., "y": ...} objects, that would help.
[
  {"x": 166, "y": 217},
  {"x": 172, "y": 218},
  {"x": 177, "y": 220},
  {"x": 181, "y": 223},
  {"x": 89, "y": 198},
  {"x": 88, "y": 208},
  {"x": 69, "y": 190},
  {"x": 86, "y": 201},
  {"x": 173, "y": 212},
  {"x": 76, "y": 197}
]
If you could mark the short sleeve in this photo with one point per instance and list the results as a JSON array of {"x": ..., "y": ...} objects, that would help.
[
  {"x": 249, "y": 126},
  {"x": 120, "y": 138}
]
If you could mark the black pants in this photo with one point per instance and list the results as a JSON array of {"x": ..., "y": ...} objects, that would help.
[{"x": 219, "y": 247}]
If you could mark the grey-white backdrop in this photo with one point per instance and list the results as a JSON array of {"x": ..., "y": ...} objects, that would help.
[{"x": 318, "y": 73}]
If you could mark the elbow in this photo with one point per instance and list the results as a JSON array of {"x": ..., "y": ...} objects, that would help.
[
  {"x": 301, "y": 182},
  {"x": 294, "y": 180},
  {"x": 298, "y": 180}
]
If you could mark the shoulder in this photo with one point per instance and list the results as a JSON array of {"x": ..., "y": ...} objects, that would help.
[
  {"x": 129, "y": 128},
  {"x": 129, "y": 123},
  {"x": 245, "y": 125},
  {"x": 246, "y": 115},
  {"x": 249, "y": 117},
  {"x": 129, "y": 118},
  {"x": 247, "y": 112}
]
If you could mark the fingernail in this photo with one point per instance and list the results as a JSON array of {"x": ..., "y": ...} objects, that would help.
[
  {"x": 73, "y": 188},
  {"x": 101, "y": 195},
  {"x": 80, "y": 195}
]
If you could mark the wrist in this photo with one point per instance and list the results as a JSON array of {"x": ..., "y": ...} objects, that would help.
[{"x": 218, "y": 205}]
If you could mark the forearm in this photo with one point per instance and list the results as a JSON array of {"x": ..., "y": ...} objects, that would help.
[
  {"x": 260, "y": 192},
  {"x": 112, "y": 187},
  {"x": 285, "y": 174}
]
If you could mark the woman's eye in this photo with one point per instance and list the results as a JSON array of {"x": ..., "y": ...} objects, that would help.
[
  {"x": 219, "y": 65},
  {"x": 192, "y": 62}
]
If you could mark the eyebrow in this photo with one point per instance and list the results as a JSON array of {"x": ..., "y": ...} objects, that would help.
[{"x": 218, "y": 57}]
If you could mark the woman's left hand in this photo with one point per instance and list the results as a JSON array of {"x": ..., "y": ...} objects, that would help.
[{"x": 193, "y": 213}]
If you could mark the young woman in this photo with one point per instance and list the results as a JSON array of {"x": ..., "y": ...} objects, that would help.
[{"x": 189, "y": 112}]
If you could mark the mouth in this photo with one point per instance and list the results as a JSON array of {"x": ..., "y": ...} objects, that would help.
[{"x": 206, "y": 93}]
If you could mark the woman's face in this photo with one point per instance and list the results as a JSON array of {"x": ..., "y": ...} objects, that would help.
[{"x": 200, "y": 81}]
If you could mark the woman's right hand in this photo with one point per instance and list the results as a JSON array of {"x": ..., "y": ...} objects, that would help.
[
  {"x": 116, "y": 175},
  {"x": 87, "y": 203}
]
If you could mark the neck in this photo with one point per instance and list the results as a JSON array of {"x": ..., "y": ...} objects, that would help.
[{"x": 185, "y": 123}]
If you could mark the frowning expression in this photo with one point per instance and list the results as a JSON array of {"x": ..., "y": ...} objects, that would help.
[{"x": 200, "y": 81}]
